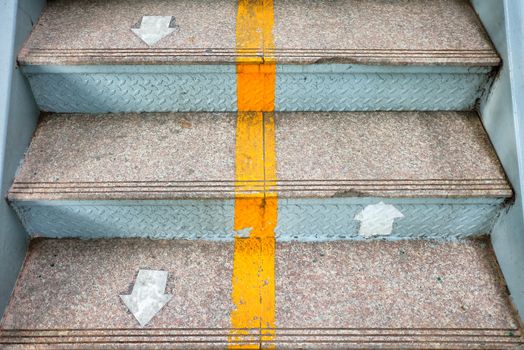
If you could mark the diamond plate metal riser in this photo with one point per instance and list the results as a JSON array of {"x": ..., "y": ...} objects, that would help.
[
  {"x": 323, "y": 87},
  {"x": 298, "y": 219}
]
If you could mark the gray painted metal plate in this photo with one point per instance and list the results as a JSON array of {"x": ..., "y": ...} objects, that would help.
[{"x": 321, "y": 87}]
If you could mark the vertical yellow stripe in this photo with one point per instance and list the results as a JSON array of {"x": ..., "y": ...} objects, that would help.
[{"x": 253, "y": 283}]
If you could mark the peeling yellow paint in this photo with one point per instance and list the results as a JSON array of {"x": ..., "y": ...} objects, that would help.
[
  {"x": 253, "y": 293},
  {"x": 253, "y": 282}
]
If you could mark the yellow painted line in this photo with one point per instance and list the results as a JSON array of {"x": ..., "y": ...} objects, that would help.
[{"x": 253, "y": 281}]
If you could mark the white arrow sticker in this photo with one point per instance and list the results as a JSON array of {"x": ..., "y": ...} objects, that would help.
[
  {"x": 153, "y": 28},
  {"x": 147, "y": 297},
  {"x": 377, "y": 219}
]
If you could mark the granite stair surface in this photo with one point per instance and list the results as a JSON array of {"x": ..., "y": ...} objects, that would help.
[
  {"x": 342, "y": 295},
  {"x": 133, "y": 166}
]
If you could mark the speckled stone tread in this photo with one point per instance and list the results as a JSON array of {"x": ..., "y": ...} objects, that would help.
[
  {"x": 367, "y": 295},
  {"x": 319, "y": 155},
  {"x": 395, "y": 32}
]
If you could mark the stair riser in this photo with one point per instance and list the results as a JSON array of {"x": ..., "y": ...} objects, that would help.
[
  {"x": 320, "y": 87},
  {"x": 298, "y": 219}
]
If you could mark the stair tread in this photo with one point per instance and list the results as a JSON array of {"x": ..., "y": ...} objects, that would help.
[
  {"x": 407, "y": 294},
  {"x": 319, "y": 155},
  {"x": 393, "y": 32}
]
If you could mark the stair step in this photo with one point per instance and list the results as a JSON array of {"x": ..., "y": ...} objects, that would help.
[
  {"x": 351, "y": 295},
  {"x": 331, "y": 56},
  {"x": 353, "y": 31},
  {"x": 173, "y": 175}
]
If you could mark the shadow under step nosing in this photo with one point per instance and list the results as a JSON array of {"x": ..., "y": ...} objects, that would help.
[{"x": 158, "y": 175}]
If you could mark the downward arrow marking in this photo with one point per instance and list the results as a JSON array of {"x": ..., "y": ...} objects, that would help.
[
  {"x": 153, "y": 28},
  {"x": 147, "y": 297}
]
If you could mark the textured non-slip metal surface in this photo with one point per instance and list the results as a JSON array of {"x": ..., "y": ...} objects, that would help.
[
  {"x": 298, "y": 219},
  {"x": 322, "y": 87},
  {"x": 427, "y": 218},
  {"x": 398, "y": 32},
  {"x": 358, "y": 295}
]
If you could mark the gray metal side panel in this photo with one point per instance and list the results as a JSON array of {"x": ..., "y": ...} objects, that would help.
[
  {"x": 18, "y": 115},
  {"x": 503, "y": 117}
]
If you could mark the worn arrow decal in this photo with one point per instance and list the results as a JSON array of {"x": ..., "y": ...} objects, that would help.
[
  {"x": 147, "y": 297},
  {"x": 154, "y": 28},
  {"x": 377, "y": 219}
]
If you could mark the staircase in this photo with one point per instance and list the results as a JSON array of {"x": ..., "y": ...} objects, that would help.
[{"x": 260, "y": 174}]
